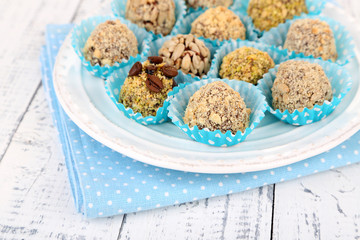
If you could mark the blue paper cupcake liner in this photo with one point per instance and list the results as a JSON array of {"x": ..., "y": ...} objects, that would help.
[
  {"x": 113, "y": 86},
  {"x": 119, "y": 6},
  {"x": 343, "y": 40},
  {"x": 82, "y": 32},
  {"x": 157, "y": 44},
  {"x": 276, "y": 54},
  {"x": 185, "y": 27},
  {"x": 341, "y": 83},
  {"x": 314, "y": 7},
  {"x": 253, "y": 100}
]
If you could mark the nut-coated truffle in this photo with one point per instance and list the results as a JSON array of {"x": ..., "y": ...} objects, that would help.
[
  {"x": 218, "y": 23},
  {"x": 267, "y": 14},
  {"x": 246, "y": 64},
  {"x": 299, "y": 85},
  {"x": 311, "y": 37},
  {"x": 110, "y": 42},
  {"x": 217, "y": 106},
  {"x": 147, "y": 85}
]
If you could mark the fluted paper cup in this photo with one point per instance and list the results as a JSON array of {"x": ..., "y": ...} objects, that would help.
[
  {"x": 113, "y": 87},
  {"x": 340, "y": 81},
  {"x": 185, "y": 27},
  {"x": 314, "y": 7},
  {"x": 252, "y": 97},
  {"x": 344, "y": 42},
  {"x": 82, "y": 32},
  {"x": 275, "y": 53}
]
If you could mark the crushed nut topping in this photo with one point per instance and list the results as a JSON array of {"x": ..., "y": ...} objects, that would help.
[
  {"x": 218, "y": 23},
  {"x": 300, "y": 84},
  {"x": 110, "y": 42},
  {"x": 217, "y": 106},
  {"x": 157, "y": 16},
  {"x": 311, "y": 37}
]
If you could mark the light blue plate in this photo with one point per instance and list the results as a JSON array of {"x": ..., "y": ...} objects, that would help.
[{"x": 272, "y": 144}]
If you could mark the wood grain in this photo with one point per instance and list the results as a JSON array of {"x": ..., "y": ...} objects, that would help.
[
  {"x": 24, "y": 24},
  {"x": 323, "y": 206},
  {"x": 36, "y": 201},
  {"x": 246, "y": 215}
]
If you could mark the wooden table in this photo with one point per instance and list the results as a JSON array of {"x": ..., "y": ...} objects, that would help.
[{"x": 36, "y": 201}]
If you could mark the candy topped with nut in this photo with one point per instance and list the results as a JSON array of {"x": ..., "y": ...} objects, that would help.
[
  {"x": 187, "y": 53},
  {"x": 147, "y": 85}
]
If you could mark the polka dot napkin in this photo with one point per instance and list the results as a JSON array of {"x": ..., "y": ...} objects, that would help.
[{"x": 106, "y": 183}]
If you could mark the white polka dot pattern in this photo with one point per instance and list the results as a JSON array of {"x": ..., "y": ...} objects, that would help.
[{"x": 131, "y": 186}]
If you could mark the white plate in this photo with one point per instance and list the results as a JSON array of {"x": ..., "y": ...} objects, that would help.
[{"x": 271, "y": 144}]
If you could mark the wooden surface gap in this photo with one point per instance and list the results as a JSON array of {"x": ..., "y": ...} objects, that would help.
[
  {"x": 122, "y": 226},
  {"x": 76, "y": 11},
  {"x": 225, "y": 218},
  {"x": 272, "y": 213}
]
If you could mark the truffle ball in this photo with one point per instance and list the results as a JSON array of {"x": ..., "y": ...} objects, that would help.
[
  {"x": 147, "y": 85},
  {"x": 218, "y": 23},
  {"x": 246, "y": 64},
  {"x": 311, "y": 37},
  {"x": 110, "y": 42},
  {"x": 300, "y": 84},
  {"x": 208, "y": 3},
  {"x": 157, "y": 16},
  {"x": 217, "y": 106},
  {"x": 187, "y": 53},
  {"x": 267, "y": 14}
]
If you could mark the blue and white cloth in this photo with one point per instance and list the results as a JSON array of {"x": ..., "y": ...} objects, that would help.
[{"x": 106, "y": 183}]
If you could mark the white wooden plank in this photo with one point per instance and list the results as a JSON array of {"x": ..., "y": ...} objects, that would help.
[
  {"x": 23, "y": 24},
  {"x": 323, "y": 206},
  {"x": 88, "y": 9},
  {"x": 244, "y": 215},
  {"x": 36, "y": 201},
  {"x": 352, "y": 7}
]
